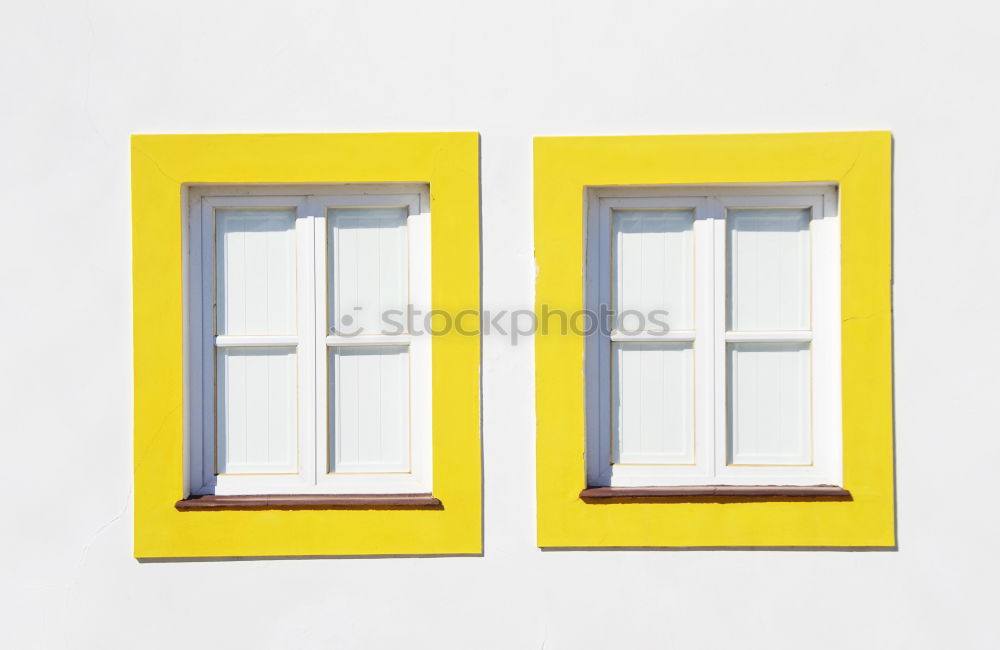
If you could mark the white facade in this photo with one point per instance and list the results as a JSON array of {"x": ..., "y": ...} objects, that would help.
[{"x": 79, "y": 78}]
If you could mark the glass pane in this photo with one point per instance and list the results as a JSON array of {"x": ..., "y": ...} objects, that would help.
[
  {"x": 255, "y": 271},
  {"x": 256, "y": 410},
  {"x": 368, "y": 268},
  {"x": 769, "y": 410},
  {"x": 769, "y": 269},
  {"x": 653, "y": 403},
  {"x": 653, "y": 267},
  {"x": 369, "y": 408}
]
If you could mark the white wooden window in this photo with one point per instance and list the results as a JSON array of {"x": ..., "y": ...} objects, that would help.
[
  {"x": 300, "y": 379},
  {"x": 721, "y": 362}
]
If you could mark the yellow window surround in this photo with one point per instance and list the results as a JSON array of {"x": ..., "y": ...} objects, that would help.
[
  {"x": 162, "y": 166},
  {"x": 860, "y": 164}
]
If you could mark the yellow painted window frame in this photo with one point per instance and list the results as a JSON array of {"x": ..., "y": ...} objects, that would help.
[
  {"x": 860, "y": 163},
  {"x": 161, "y": 167}
]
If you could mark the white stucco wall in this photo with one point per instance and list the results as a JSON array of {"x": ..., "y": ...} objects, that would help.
[{"x": 78, "y": 78}]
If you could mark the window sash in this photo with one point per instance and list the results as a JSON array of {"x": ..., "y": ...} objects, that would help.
[
  {"x": 711, "y": 337},
  {"x": 310, "y": 342},
  {"x": 416, "y": 477},
  {"x": 601, "y": 349}
]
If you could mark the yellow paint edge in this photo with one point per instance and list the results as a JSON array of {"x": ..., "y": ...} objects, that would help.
[
  {"x": 860, "y": 163},
  {"x": 161, "y": 166}
]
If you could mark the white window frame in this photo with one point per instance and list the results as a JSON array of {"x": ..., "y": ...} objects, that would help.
[
  {"x": 311, "y": 341},
  {"x": 709, "y": 336}
]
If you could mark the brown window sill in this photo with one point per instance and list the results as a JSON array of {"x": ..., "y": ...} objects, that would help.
[
  {"x": 307, "y": 501},
  {"x": 717, "y": 491}
]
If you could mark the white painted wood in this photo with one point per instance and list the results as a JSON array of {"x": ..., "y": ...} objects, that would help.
[
  {"x": 620, "y": 337},
  {"x": 307, "y": 341},
  {"x": 368, "y": 269},
  {"x": 415, "y": 205},
  {"x": 802, "y": 336},
  {"x": 421, "y": 380},
  {"x": 653, "y": 403},
  {"x": 653, "y": 267},
  {"x": 228, "y": 341},
  {"x": 768, "y": 268},
  {"x": 309, "y": 379},
  {"x": 370, "y": 409},
  {"x": 825, "y": 465},
  {"x": 255, "y": 271},
  {"x": 807, "y": 318},
  {"x": 257, "y": 411},
  {"x": 827, "y": 408},
  {"x": 204, "y": 207},
  {"x": 377, "y": 339},
  {"x": 691, "y": 230},
  {"x": 719, "y": 368},
  {"x": 769, "y": 404}
]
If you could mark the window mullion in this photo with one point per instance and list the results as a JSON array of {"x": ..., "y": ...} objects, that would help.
[
  {"x": 717, "y": 216},
  {"x": 305, "y": 332},
  {"x": 316, "y": 299}
]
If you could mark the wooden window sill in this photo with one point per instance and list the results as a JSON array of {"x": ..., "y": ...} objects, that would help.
[
  {"x": 307, "y": 502},
  {"x": 716, "y": 491}
]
